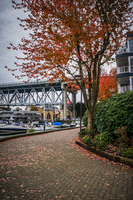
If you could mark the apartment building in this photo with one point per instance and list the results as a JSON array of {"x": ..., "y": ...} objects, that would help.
[{"x": 124, "y": 60}]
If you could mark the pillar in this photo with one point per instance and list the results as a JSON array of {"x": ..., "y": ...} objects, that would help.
[
  {"x": 61, "y": 112},
  {"x": 64, "y": 100},
  {"x": 74, "y": 103},
  {"x": 65, "y": 103}
]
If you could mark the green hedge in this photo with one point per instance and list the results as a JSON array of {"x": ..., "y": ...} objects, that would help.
[{"x": 113, "y": 113}]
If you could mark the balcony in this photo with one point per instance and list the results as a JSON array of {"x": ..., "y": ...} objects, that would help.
[
  {"x": 124, "y": 89},
  {"x": 123, "y": 69},
  {"x": 122, "y": 50}
]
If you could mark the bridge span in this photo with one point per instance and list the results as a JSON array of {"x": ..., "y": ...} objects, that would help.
[{"x": 40, "y": 93}]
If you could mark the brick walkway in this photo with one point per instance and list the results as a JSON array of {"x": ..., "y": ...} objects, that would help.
[{"x": 51, "y": 166}]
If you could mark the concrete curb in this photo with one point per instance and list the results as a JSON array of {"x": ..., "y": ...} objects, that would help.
[
  {"x": 33, "y": 133},
  {"x": 123, "y": 160}
]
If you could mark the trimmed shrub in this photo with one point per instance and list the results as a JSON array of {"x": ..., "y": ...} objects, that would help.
[
  {"x": 122, "y": 132},
  {"x": 87, "y": 140},
  {"x": 127, "y": 153},
  {"x": 99, "y": 142},
  {"x": 107, "y": 137},
  {"x": 114, "y": 113},
  {"x": 83, "y": 132}
]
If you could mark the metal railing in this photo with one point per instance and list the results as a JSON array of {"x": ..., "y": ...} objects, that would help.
[{"x": 22, "y": 83}]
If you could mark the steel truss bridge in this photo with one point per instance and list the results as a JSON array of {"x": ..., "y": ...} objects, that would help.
[{"x": 38, "y": 93}]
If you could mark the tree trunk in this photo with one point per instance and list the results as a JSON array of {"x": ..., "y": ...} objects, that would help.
[{"x": 90, "y": 120}]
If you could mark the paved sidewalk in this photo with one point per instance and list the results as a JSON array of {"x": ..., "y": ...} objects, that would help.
[{"x": 51, "y": 166}]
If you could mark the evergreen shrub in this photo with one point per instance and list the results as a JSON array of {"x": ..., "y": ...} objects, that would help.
[
  {"x": 114, "y": 113},
  {"x": 88, "y": 140},
  {"x": 83, "y": 132}
]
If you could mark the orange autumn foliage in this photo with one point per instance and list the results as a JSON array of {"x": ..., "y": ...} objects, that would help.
[
  {"x": 71, "y": 37},
  {"x": 108, "y": 84},
  {"x": 107, "y": 87}
]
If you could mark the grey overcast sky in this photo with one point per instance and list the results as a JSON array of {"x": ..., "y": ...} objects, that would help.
[{"x": 10, "y": 32}]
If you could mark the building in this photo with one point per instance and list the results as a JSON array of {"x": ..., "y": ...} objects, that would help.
[
  {"x": 50, "y": 113},
  {"x": 24, "y": 116},
  {"x": 124, "y": 60}
]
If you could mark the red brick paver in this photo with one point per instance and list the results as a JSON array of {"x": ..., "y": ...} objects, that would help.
[{"x": 50, "y": 166}]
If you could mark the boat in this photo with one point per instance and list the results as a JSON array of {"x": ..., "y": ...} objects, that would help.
[
  {"x": 56, "y": 124},
  {"x": 13, "y": 128},
  {"x": 41, "y": 127},
  {"x": 72, "y": 124},
  {"x": 3, "y": 122},
  {"x": 65, "y": 125},
  {"x": 77, "y": 122}
]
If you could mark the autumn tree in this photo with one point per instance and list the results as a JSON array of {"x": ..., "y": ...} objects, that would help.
[
  {"x": 108, "y": 84},
  {"x": 72, "y": 37}
]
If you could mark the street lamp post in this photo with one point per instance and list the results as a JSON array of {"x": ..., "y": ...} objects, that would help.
[
  {"x": 79, "y": 78},
  {"x": 44, "y": 108},
  {"x": 81, "y": 111}
]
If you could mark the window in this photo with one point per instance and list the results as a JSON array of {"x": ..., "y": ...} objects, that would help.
[
  {"x": 131, "y": 45},
  {"x": 123, "y": 85},
  {"x": 131, "y": 83},
  {"x": 124, "y": 69},
  {"x": 121, "y": 69},
  {"x": 131, "y": 64}
]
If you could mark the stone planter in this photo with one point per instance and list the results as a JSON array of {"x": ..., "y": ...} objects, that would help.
[{"x": 126, "y": 161}]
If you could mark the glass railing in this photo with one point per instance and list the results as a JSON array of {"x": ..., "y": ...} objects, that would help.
[
  {"x": 123, "y": 69},
  {"x": 122, "y": 50},
  {"x": 125, "y": 89}
]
